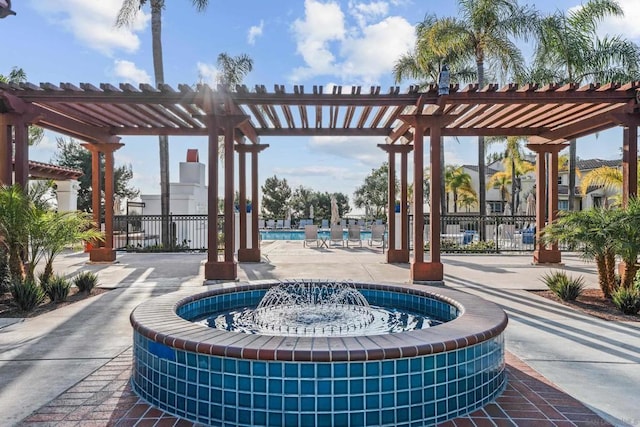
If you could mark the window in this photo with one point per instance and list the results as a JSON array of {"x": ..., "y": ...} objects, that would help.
[
  {"x": 597, "y": 201},
  {"x": 563, "y": 205}
]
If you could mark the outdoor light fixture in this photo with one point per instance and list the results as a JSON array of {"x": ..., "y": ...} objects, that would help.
[
  {"x": 5, "y": 8},
  {"x": 443, "y": 81}
]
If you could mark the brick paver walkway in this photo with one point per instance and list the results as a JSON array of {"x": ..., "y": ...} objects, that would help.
[{"x": 105, "y": 398}]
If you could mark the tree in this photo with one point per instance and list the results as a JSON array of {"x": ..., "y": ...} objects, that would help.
[
  {"x": 126, "y": 16},
  {"x": 514, "y": 165},
  {"x": 604, "y": 177},
  {"x": 625, "y": 232},
  {"x": 425, "y": 63},
  {"x": 51, "y": 232},
  {"x": 483, "y": 31},
  {"x": 233, "y": 69},
  {"x": 458, "y": 182},
  {"x": 502, "y": 181},
  {"x": 71, "y": 154},
  {"x": 16, "y": 212},
  {"x": 569, "y": 50},
  {"x": 588, "y": 231},
  {"x": 17, "y": 75},
  {"x": 276, "y": 196},
  {"x": 374, "y": 193}
]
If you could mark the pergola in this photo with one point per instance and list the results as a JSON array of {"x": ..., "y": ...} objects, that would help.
[{"x": 102, "y": 116}]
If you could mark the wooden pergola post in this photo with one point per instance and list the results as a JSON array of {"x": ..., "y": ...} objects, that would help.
[
  {"x": 629, "y": 123},
  {"x": 542, "y": 253},
  {"x": 6, "y": 149},
  {"x": 397, "y": 254},
  {"x": 246, "y": 253},
  {"x": 211, "y": 266},
  {"x": 104, "y": 253},
  {"x": 21, "y": 147},
  {"x": 227, "y": 269}
]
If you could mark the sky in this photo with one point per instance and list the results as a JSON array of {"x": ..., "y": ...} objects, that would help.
[{"x": 310, "y": 42}]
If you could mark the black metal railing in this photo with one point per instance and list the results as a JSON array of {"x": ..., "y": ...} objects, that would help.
[
  {"x": 143, "y": 233},
  {"x": 476, "y": 233}
]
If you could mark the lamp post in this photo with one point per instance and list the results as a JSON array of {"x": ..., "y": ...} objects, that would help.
[{"x": 443, "y": 81}]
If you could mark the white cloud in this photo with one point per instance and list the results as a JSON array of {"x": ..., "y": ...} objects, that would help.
[
  {"x": 373, "y": 54},
  {"x": 366, "y": 12},
  {"x": 128, "y": 71},
  {"x": 93, "y": 23},
  {"x": 254, "y": 32},
  {"x": 323, "y": 23},
  {"x": 626, "y": 26},
  {"x": 363, "y": 149},
  {"x": 207, "y": 73},
  {"x": 361, "y": 52}
]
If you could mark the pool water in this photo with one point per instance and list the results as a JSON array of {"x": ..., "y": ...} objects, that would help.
[{"x": 299, "y": 234}]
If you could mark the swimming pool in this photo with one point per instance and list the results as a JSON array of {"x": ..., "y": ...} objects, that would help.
[{"x": 299, "y": 234}]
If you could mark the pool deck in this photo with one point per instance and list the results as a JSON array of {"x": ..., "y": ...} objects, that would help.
[{"x": 71, "y": 366}]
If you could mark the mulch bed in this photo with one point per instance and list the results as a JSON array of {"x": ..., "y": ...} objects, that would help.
[
  {"x": 593, "y": 303},
  {"x": 9, "y": 309}
]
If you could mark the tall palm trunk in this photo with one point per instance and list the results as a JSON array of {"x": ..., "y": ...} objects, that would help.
[
  {"x": 572, "y": 173},
  {"x": 163, "y": 140},
  {"x": 606, "y": 263},
  {"x": 482, "y": 182}
]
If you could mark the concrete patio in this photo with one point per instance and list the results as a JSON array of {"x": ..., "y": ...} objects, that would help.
[{"x": 64, "y": 354}]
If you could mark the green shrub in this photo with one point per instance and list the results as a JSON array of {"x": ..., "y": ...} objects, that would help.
[
  {"x": 565, "y": 287},
  {"x": 57, "y": 288},
  {"x": 85, "y": 281},
  {"x": 626, "y": 300},
  {"x": 27, "y": 295},
  {"x": 5, "y": 273}
]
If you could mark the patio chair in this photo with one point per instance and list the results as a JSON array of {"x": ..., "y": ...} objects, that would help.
[
  {"x": 271, "y": 224},
  {"x": 261, "y": 224},
  {"x": 325, "y": 223},
  {"x": 377, "y": 235},
  {"x": 280, "y": 224},
  {"x": 311, "y": 235},
  {"x": 353, "y": 235},
  {"x": 506, "y": 234},
  {"x": 337, "y": 237},
  {"x": 287, "y": 224}
]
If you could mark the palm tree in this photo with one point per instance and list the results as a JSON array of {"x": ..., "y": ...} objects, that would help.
[
  {"x": 458, "y": 182},
  {"x": 126, "y": 16},
  {"x": 589, "y": 231},
  {"x": 570, "y": 51},
  {"x": 483, "y": 32},
  {"x": 233, "y": 69},
  {"x": 424, "y": 64},
  {"x": 605, "y": 177},
  {"x": 51, "y": 232},
  {"x": 16, "y": 213},
  {"x": 514, "y": 164},
  {"x": 626, "y": 240},
  {"x": 502, "y": 181}
]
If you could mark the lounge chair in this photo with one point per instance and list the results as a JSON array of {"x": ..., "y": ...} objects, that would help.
[
  {"x": 311, "y": 235},
  {"x": 353, "y": 235},
  {"x": 287, "y": 224},
  {"x": 260, "y": 224},
  {"x": 325, "y": 223},
  {"x": 337, "y": 236},
  {"x": 280, "y": 224},
  {"x": 271, "y": 224},
  {"x": 377, "y": 235}
]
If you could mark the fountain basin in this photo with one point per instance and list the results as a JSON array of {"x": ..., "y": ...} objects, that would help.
[{"x": 419, "y": 377}]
